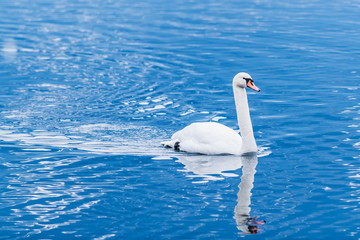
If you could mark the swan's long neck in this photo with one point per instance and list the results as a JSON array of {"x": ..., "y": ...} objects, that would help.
[{"x": 244, "y": 121}]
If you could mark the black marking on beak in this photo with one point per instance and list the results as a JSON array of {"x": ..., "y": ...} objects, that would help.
[
  {"x": 250, "y": 84},
  {"x": 249, "y": 80}
]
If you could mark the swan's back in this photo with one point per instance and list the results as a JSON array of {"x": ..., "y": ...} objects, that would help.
[{"x": 206, "y": 138}]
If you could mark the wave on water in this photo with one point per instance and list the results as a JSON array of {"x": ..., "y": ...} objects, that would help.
[{"x": 100, "y": 138}]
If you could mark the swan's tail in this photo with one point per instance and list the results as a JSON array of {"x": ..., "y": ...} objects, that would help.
[
  {"x": 169, "y": 144},
  {"x": 172, "y": 144}
]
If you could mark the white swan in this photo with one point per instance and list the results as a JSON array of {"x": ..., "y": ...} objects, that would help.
[{"x": 215, "y": 138}]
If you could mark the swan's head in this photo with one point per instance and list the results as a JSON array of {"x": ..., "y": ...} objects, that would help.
[{"x": 243, "y": 80}]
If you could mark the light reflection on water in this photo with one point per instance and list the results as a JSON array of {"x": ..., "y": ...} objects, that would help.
[{"x": 89, "y": 89}]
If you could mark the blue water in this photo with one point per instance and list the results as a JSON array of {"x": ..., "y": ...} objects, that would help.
[{"x": 89, "y": 89}]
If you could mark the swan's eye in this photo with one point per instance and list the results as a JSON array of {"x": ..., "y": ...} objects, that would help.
[
  {"x": 250, "y": 84},
  {"x": 249, "y": 81}
]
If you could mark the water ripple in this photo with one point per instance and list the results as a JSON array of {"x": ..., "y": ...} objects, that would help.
[{"x": 90, "y": 88}]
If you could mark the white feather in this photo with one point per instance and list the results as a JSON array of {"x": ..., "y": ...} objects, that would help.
[{"x": 215, "y": 138}]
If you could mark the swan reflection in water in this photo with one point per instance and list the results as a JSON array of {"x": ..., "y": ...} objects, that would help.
[
  {"x": 206, "y": 166},
  {"x": 244, "y": 222}
]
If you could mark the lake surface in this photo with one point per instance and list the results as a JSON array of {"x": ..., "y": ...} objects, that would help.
[{"x": 89, "y": 89}]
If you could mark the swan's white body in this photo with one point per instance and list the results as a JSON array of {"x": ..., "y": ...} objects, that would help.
[
  {"x": 215, "y": 138},
  {"x": 208, "y": 138}
]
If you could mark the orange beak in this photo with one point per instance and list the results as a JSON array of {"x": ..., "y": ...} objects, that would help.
[{"x": 251, "y": 85}]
